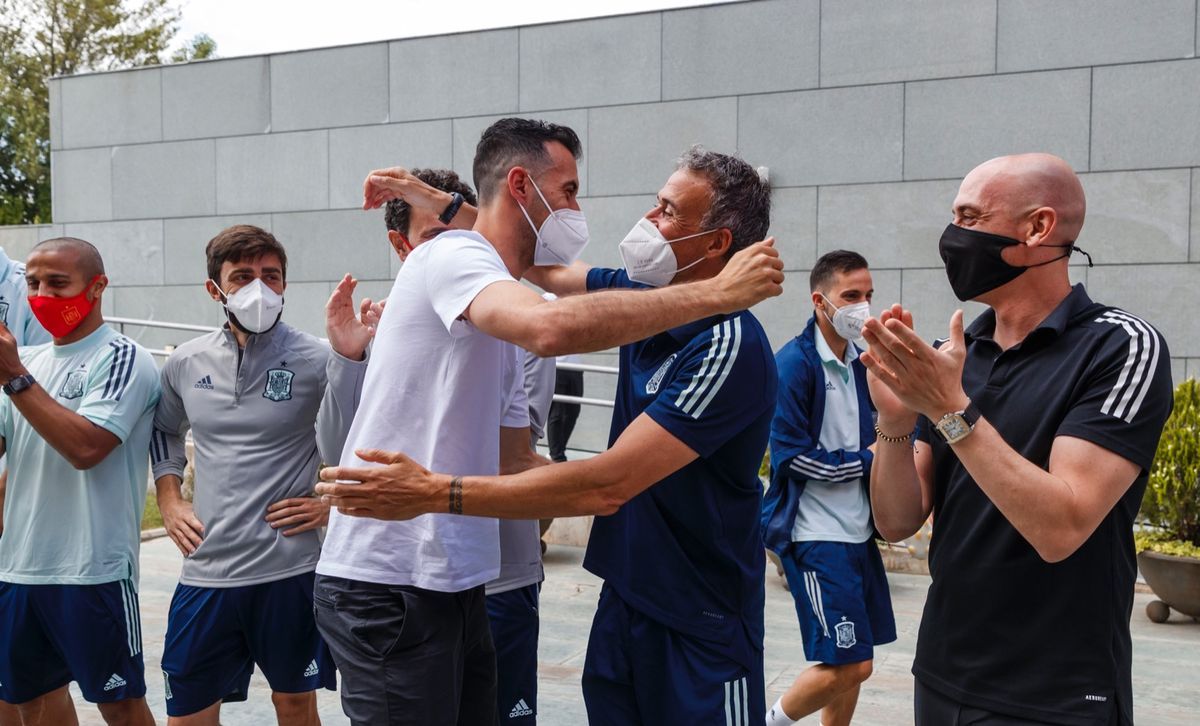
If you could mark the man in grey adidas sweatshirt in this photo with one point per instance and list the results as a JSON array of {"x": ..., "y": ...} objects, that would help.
[{"x": 266, "y": 404}]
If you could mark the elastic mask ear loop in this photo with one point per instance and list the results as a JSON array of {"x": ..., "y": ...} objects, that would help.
[
  {"x": 829, "y": 304},
  {"x": 1070, "y": 246}
]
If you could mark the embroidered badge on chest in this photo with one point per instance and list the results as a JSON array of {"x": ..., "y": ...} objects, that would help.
[
  {"x": 72, "y": 387},
  {"x": 656, "y": 379},
  {"x": 279, "y": 384},
  {"x": 4, "y": 312}
]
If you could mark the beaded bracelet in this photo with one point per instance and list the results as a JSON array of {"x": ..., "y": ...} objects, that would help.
[{"x": 891, "y": 439}]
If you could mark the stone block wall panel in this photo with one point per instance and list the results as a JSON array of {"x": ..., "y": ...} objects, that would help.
[
  {"x": 1034, "y": 35},
  {"x": 111, "y": 108},
  {"x": 216, "y": 98},
  {"x": 81, "y": 184},
  {"x": 355, "y": 151},
  {"x": 634, "y": 148},
  {"x": 827, "y": 136},
  {"x": 343, "y": 86},
  {"x": 273, "y": 172},
  {"x": 876, "y": 41},
  {"x": 453, "y": 75},
  {"x": 740, "y": 48},
  {"x": 591, "y": 62},
  {"x": 174, "y": 179},
  {"x": 950, "y": 126},
  {"x": 1144, "y": 115}
]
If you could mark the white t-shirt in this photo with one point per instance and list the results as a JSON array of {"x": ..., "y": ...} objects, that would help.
[{"x": 435, "y": 390}]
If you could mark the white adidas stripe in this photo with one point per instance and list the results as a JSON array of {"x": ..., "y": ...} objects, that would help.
[
  {"x": 1143, "y": 384},
  {"x": 737, "y": 702},
  {"x": 816, "y": 470},
  {"x": 731, "y": 354},
  {"x": 1125, "y": 399},
  {"x": 712, "y": 364},
  {"x": 704, "y": 365},
  {"x": 813, "y": 586},
  {"x": 132, "y": 626},
  {"x": 820, "y": 465}
]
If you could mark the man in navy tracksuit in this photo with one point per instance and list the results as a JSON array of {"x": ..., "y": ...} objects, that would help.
[{"x": 817, "y": 513}]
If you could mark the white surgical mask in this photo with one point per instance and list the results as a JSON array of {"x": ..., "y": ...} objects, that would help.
[
  {"x": 648, "y": 257},
  {"x": 561, "y": 238},
  {"x": 848, "y": 320},
  {"x": 256, "y": 306}
]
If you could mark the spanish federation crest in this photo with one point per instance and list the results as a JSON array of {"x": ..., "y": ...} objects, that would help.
[
  {"x": 656, "y": 380},
  {"x": 845, "y": 634},
  {"x": 72, "y": 387},
  {"x": 279, "y": 384}
]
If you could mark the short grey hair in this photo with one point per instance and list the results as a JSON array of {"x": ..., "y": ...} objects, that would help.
[{"x": 741, "y": 197}]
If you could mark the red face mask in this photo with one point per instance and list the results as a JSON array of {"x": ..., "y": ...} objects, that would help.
[{"x": 60, "y": 316}]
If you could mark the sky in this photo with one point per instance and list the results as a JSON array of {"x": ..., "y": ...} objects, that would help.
[{"x": 252, "y": 27}]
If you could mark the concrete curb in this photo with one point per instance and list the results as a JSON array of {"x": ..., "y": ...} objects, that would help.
[{"x": 149, "y": 534}]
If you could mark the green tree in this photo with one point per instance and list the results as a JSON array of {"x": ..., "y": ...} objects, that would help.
[
  {"x": 198, "y": 48},
  {"x": 42, "y": 39}
]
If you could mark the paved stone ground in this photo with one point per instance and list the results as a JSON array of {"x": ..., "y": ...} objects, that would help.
[{"x": 1166, "y": 657}]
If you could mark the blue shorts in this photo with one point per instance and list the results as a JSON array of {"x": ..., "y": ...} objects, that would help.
[
  {"x": 842, "y": 599},
  {"x": 215, "y": 636},
  {"x": 513, "y": 617},
  {"x": 641, "y": 672},
  {"x": 51, "y": 635}
]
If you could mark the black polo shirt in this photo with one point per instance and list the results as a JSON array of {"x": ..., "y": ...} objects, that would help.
[{"x": 1004, "y": 630}]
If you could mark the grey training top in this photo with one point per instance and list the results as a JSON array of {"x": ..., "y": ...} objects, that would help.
[
  {"x": 539, "y": 387},
  {"x": 521, "y": 539},
  {"x": 260, "y": 427}
]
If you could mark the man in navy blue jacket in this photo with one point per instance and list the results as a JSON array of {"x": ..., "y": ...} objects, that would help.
[{"x": 817, "y": 513}]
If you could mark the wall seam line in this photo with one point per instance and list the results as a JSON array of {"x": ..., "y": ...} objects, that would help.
[
  {"x": 820, "y": 32},
  {"x": 996, "y": 41},
  {"x": 1091, "y": 113}
]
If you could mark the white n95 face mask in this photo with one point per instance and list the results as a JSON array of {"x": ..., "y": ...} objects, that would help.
[
  {"x": 648, "y": 257},
  {"x": 561, "y": 238},
  {"x": 848, "y": 320},
  {"x": 256, "y": 306}
]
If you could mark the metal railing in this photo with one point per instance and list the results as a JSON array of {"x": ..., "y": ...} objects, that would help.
[{"x": 121, "y": 322}]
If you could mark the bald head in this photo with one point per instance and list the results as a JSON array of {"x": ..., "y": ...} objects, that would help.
[
  {"x": 81, "y": 255},
  {"x": 1013, "y": 186}
]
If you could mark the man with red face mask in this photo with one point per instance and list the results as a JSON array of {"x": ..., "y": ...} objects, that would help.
[{"x": 75, "y": 420}]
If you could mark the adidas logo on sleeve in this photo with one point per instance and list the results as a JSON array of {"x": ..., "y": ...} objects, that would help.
[
  {"x": 521, "y": 709},
  {"x": 114, "y": 681},
  {"x": 311, "y": 670},
  {"x": 204, "y": 383}
]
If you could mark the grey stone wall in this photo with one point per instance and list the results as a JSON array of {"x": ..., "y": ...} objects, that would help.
[{"x": 866, "y": 111}]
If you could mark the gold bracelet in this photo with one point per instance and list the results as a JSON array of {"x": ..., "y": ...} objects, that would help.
[{"x": 891, "y": 439}]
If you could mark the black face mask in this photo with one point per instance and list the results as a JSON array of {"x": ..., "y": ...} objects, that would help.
[{"x": 974, "y": 263}]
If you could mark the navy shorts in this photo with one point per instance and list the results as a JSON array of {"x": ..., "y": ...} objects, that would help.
[
  {"x": 641, "y": 672},
  {"x": 216, "y": 635},
  {"x": 513, "y": 617},
  {"x": 842, "y": 600},
  {"x": 51, "y": 635}
]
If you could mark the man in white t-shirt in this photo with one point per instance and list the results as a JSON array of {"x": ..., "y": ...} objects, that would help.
[
  {"x": 401, "y": 604},
  {"x": 512, "y": 598}
]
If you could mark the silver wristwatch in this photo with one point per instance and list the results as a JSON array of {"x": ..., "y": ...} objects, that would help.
[{"x": 957, "y": 425}]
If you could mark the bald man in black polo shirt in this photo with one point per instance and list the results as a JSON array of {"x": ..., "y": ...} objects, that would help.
[{"x": 1038, "y": 427}]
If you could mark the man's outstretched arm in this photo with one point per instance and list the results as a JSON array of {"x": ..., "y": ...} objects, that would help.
[
  {"x": 609, "y": 318},
  {"x": 401, "y": 489}
]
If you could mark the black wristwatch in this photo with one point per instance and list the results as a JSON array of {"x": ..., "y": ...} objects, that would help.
[
  {"x": 18, "y": 384},
  {"x": 456, "y": 201}
]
